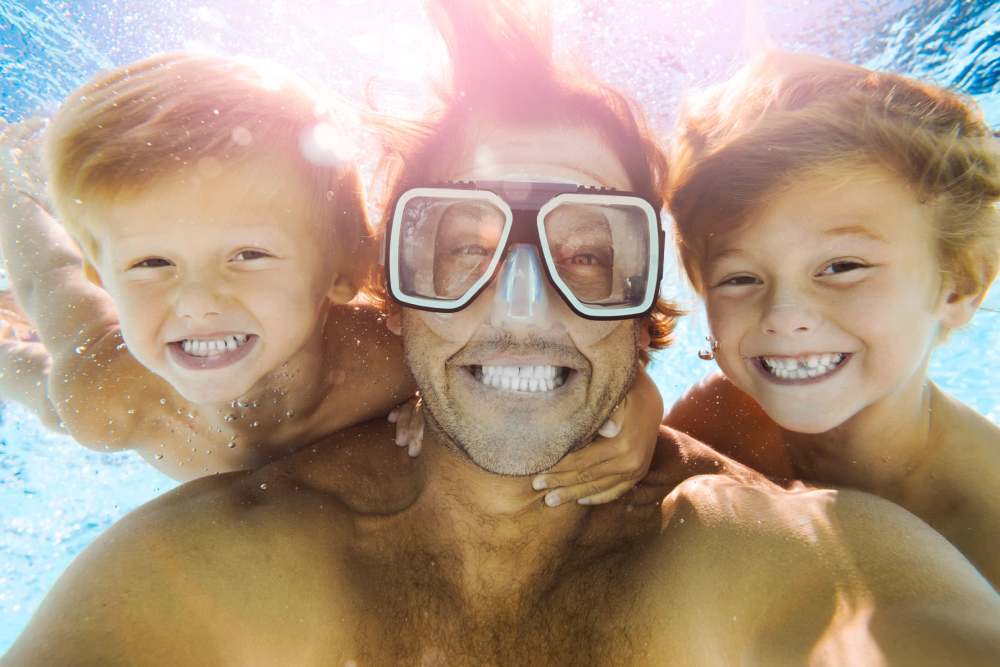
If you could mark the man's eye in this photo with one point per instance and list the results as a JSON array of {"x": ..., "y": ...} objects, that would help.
[
  {"x": 471, "y": 249},
  {"x": 246, "y": 255},
  {"x": 585, "y": 259},
  {"x": 151, "y": 263},
  {"x": 842, "y": 266}
]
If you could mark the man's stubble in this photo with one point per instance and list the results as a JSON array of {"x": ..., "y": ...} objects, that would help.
[{"x": 533, "y": 441}]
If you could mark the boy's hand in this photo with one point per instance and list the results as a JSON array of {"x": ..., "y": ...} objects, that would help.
[
  {"x": 21, "y": 169},
  {"x": 614, "y": 463},
  {"x": 14, "y": 324},
  {"x": 409, "y": 421}
]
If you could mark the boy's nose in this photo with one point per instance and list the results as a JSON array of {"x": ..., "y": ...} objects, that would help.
[
  {"x": 195, "y": 302},
  {"x": 521, "y": 299},
  {"x": 788, "y": 314}
]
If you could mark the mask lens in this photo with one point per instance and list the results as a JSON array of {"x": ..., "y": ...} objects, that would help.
[
  {"x": 446, "y": 245},
  {"x": 601, "y": 252}
]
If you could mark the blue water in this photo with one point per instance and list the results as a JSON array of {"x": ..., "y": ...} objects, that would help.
[{"x": 55, "y": 496}]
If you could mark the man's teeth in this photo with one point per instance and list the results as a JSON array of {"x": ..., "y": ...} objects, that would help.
[
  {"x": 213, "y": 346},
  {"x": 801, "y": 368},
  {"x": 520, "y": 378}
]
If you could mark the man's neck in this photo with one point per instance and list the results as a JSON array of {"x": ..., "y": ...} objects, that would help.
[{"x": 502, "y": 538}]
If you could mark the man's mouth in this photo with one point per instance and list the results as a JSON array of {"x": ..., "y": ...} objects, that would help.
[
  {"x": 804, "y": 367},
  {"x": 542, "y": 378},
  {"x": 211, "y": 352}
]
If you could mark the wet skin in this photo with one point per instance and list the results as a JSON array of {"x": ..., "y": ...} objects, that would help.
[{"x": 350, "y": 550}]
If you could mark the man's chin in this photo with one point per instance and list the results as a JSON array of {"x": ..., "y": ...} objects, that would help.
[{"x": 512, "y": 444}]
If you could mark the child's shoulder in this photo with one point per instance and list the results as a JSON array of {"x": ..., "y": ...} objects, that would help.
[
  {"x": 718, "y": 413},
  {"x": 966, "y": 471}
]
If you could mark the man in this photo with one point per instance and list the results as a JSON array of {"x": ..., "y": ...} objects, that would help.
[{"x": 348, "y": 552}]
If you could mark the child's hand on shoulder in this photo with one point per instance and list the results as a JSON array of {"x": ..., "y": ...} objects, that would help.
[{"x": 617, "y": 460}]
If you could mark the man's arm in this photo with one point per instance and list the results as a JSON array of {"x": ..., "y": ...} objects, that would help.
[
  {"x": 215, "y": 572},
  {"x": 824, "y": 577}
]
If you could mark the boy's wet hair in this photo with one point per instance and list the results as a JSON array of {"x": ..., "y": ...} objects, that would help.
[
  {"x": 786, "y": 116},
  {"x": 503, "y": 73},
  {"x": 128, "y": 128}
]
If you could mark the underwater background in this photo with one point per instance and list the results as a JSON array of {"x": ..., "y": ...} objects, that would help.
[{"x": 56, "y": 496}]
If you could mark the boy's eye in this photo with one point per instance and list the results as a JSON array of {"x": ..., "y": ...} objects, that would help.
[
  {"x": 246, "y": 255},
  {"x": 738, "y": 281},
  {"x": 151, "y": 263},
  {"x": 842, "y": 266}
]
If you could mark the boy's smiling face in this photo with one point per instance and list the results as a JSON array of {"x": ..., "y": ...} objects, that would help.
[
  {"x": 830, "y": 298},
  {"x": 219, "y": 278}
]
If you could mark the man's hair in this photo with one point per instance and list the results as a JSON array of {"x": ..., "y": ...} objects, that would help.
[
  {"x": 132, "y": 126},
  {"x": 503, "y": 72},
  {"x": 786, "y": 116}
]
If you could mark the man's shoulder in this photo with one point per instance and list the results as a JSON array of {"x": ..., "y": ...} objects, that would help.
[
  {"x": 161, "y": 585},
  {"x": 767, "y": 568}
]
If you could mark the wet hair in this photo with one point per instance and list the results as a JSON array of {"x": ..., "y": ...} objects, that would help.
[
  {"x": 787, "y": 116},
  {"x": 503, "y": 73},
  {"x": 133, "y": 126}
]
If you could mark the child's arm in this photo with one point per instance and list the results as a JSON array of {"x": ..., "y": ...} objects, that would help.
[
  {"x": 94, "y": 383},
  {"x": 366, "y": 361},
  {"x": 24, "y": 364},
  {"x": 717, "y": 413}
]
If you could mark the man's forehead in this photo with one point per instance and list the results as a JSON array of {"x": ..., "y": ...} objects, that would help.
[{"x": 561, "y": 154}]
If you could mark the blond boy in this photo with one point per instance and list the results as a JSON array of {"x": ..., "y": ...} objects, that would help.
[
  {"x": 222, "y": 241},
  {"x": 839, "y": 223}
]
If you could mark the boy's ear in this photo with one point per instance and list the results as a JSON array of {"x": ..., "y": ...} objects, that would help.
[
  {"x": 342, "y": 289},
  {"x": 91, "y": 274},
  {"x": 958, "y": 308}
]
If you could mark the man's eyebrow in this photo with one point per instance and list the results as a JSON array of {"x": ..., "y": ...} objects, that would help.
[{"x": 855, "y": 230}]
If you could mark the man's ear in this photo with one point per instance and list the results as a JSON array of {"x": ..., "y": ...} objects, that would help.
[
  {"x": 91, "y": 274},
  {"x": 342, "y": 289},
  {"x": 394, "y": 319}
]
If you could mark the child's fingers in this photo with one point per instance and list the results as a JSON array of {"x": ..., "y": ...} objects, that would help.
[
  {"x": 416, "y": 440},
  {"x": 614, "y": 493},
  {"x": 593, "y": 489},
  {"x": 403, "y": 425},
  {"x": 598, "y": 451},
  {"x": 616, "y": 468}
]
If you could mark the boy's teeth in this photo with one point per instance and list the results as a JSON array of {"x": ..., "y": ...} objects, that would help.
[
  {"x": 214, "y": 346},
  {"x": 801, "y": 368},
  {"x": 520, "y": 378}
]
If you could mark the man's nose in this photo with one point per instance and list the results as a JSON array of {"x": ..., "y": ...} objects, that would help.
[
  {"x": 197, "y": 300},
  {"x": 788, "y": 312},
  {"x": 521, "y": 297}
]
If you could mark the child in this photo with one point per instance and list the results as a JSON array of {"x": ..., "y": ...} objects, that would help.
[
  {"x": 839, "y": 223},
  {"x": 210, "y": 325}
]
